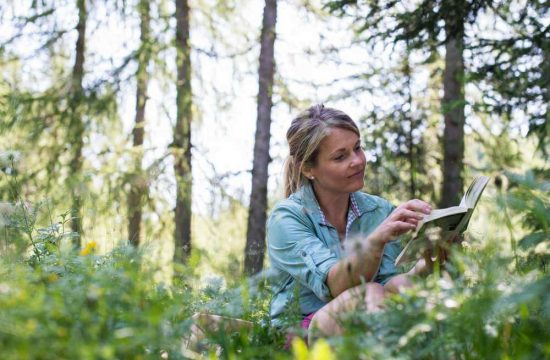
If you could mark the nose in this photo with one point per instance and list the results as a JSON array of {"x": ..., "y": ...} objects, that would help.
[{"x": 358, "y": 159}]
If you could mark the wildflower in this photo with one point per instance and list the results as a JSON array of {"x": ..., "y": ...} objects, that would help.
[
  {"x": 31, "y": 325},
  {"x": 320, "y": 351},
  {"x": 451, "y": 303},
  {"x": 89, "y": 248},
  {"x": 4, "y": 289},
  {"x": 299, "y": 349},
  {"x": 415, "y": 330},
  {"x": 491, "y": 330},
  {"x": 124, "y": 333},
  {"x": 7, "y": 159}
]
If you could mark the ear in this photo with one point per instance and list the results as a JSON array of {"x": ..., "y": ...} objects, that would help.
[{"x": 308, "y": 172}]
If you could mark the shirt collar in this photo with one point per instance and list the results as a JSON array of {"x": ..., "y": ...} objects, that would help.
[{"x": 358, "y": 204}]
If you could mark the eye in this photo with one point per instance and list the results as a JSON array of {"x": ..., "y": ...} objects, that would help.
[{"x": 339, "y": 157}]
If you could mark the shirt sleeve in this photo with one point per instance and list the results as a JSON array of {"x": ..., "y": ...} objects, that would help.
[
  {"x": 387, "y": 268},
  {"x": 294, "y": 247}
]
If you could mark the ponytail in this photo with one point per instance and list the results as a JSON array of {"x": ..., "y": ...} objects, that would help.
[{"x": 293, "y": 177}]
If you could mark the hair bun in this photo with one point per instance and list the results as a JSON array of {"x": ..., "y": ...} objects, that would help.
[{"x": 316, "y": 110}]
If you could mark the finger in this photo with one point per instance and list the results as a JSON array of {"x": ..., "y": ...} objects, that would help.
[
  {"x": 403, "y": 214},
  {"x": 401, "y": 227},
  {"x": 418, "y": 205}
]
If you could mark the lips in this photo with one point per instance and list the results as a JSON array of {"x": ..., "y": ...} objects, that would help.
[{"x": 357, "y": 174}]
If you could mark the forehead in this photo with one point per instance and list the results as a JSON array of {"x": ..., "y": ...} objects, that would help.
[{"x": 337, "y": 139}]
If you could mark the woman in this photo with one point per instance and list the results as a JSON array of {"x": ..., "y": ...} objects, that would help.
[{"x": 323, "y": 210}]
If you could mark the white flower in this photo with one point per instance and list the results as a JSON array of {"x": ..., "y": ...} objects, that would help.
[
  {"x": 542, "y": 248},
  {"x": 504, "y": 288},
  {"x": 415, "y": 330},
  {"x": 451, "y": 303},
  {"x": 491, "y": 330},
  {"x": 8, "y": 158},
  {"x": 4, "y": 288}
]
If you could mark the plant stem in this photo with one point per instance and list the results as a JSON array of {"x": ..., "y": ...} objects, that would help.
[{"x": 28, "y": 228}]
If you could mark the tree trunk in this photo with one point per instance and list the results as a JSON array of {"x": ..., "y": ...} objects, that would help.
[
  {"x": 182, "y": 135},
  {"x": 138, "y": 185},
  {"x": 255, "y": 238},
  {"x": 410, "y": 116},
  {"x": 453, "y": 108},
  {"x": 76, "y": 125}
]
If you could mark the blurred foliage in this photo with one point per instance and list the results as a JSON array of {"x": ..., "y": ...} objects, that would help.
[
  {"x": 86, "y": 306},
  {"x": 60, "y": 303},
  {"x": 495, "y": 316},
  {"x": 528, "y": 197}
]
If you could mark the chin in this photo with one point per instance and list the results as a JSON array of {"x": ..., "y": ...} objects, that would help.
[{"x": 357, "y": 186}]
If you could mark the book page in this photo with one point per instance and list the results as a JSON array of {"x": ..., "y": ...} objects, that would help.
[
  {"x": 439, "y": 213},
  {"x": 474, "y": 191}
]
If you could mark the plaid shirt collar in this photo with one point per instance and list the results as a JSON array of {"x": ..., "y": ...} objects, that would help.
[{"x": 353, "y": 213}]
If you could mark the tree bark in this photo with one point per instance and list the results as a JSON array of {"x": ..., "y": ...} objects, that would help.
[
  {"x": 76, "y": 125},
  {"x": 453, "y": 107},
  {"x": 255, "y": 238},
  {"x": 410, "y": 116},
  {"x": 182, "y": 135},
  {"x": 138, "y": 185}
]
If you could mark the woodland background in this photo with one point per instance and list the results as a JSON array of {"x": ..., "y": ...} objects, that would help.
[{"x": 142, "y": 144}]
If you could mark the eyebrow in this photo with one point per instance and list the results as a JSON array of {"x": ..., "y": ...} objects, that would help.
[{"x": 343, "y": 149}]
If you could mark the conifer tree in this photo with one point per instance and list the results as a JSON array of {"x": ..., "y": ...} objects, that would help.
[
  {"x": 181, "y": 146},
  {"x": 430, "y": 25},
  {"x": 76, "y": 128},
  {"x": 138, "y": 186},
  {"x": 255, "y": 237}
]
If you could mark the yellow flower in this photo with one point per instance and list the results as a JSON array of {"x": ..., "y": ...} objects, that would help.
[
  {"x": 299, "y": 348},
  {"x": 89, "y": 248},
  {"x": 320, "y": 351},
  {"x": 31, "y": 325}
]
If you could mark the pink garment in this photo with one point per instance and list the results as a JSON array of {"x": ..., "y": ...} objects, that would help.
[
  {"x": 304, "y": 325},
  {"x": 307, "y": 320}
]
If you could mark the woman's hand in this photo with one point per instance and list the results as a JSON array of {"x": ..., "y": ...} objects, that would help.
[{"x": 403, "y": 219}]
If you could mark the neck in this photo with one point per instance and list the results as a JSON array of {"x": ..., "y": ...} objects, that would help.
[{"x": 334, "y": 205}]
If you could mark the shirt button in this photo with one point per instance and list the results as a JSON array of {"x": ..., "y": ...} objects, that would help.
[{"x": 304, "y": 253}]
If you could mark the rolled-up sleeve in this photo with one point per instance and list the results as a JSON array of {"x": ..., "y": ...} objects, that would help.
[
  {"x": 294, "y": 247},
  {"x": 387, "y": 268}
]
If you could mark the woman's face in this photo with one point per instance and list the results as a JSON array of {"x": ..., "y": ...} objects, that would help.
[{"x": 340, "y": 163}]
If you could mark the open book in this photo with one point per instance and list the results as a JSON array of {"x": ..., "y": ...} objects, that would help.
[{"x": 452, "y": 221}]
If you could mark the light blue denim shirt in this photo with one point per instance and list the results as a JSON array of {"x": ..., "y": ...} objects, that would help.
[{"x": 302, "y": 248}]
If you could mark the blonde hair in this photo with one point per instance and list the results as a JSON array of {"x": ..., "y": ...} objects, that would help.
[{"x": 304, "y": 138}]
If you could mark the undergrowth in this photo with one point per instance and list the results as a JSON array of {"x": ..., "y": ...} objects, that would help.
[{"x": 57, "y": 302}]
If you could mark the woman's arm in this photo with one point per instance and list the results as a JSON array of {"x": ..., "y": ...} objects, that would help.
[{"x": 364, "y": 263}]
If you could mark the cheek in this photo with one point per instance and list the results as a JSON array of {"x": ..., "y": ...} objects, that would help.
[
  {"x": 363, "y": 157},
  {"x": 335, "y": 173}
]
